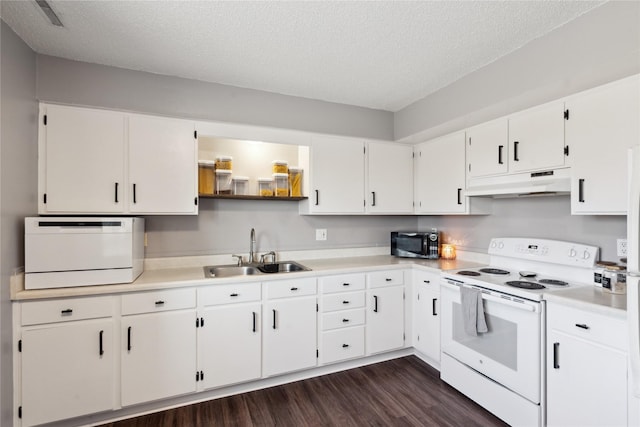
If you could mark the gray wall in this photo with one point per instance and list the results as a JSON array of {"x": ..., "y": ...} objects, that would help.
[
  {"x": 542, "y": 217},
  {"x": 600, "y": 46},
  {"x": 18, "y": 184},
  {"x": 80, "y": 83}
]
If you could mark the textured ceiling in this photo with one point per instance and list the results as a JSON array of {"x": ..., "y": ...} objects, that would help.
[{"x": 381, "y": 54}]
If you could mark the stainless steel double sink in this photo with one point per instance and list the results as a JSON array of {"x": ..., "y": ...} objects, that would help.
[{"x": 217, "y": 271}]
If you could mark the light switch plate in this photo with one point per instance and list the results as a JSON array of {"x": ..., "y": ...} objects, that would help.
[{"x": 321, "y": 234}]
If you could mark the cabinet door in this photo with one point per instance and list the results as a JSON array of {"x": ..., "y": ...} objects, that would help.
[
  {"x": 230, "y": 342},
  {"x": 603, "y": 123},
  {"x": 158, "y": 356},
  {"x": 586, "y": 383},
  {"x": 337, "y": 176},
  {"x": 536, "y": 138},
  {"x": 440, "y": 175},
  {"x": 163, "y": 166},
  {"x": 68, "y": 370},
  {"x": 487, "y": 148},
  {"x": 389, "y": 178},
  {"x": 427, "y": 315},
  {"x": 290, "y": 328},
  {"x": 385, "y": 319},
  {"x": 83, "y": 152}
]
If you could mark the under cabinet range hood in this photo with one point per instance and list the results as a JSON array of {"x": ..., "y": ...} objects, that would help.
[{"x": 541, "y": 183}]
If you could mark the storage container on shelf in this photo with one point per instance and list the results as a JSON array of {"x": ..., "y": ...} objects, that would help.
[
  {"x": 265, "y": 187},
  {"x": 281, "y": 184},
  {"x": 206, "y": 177},
  {"x": 280, "y": 166},
  {"x": 223, "y": 181},
  {"x": 240, "y": 185},
  {"x": 224, "y": 162},
  {"x": 295, "y": 181}
]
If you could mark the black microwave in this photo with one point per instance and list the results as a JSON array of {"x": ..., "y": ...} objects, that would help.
[{"x": 415, "y": 244}]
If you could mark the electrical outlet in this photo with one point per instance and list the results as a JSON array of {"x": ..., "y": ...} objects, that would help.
[
  {"x": 622, "y": 247},
  {"x": 321, "y": 234}
]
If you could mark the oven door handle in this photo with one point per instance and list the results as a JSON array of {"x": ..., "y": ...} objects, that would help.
[{"x": 533, "y": 307}]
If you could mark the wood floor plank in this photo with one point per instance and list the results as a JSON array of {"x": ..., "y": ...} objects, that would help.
[{"x": 400, "y": 392}]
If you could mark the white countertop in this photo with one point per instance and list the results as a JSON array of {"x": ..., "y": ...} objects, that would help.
[
  {"x": 169, "y": 278},
  {"x": 591, "y": 298}
]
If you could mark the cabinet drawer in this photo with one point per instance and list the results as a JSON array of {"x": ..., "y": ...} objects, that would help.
[
  {"x": 290, "y": 288},
  {"x": 385, "y": 278},
  {"x": 149, "y": 302},
  {"x": 596, "y": 327},
  {"x": 228, "y": 294},
  {"x": 426, "y": 278},
  {"x": 342, "y": 319},
  {"x": 343, "y": 301},
  {"x": 342, "y": 344},
  {"x": 341, "y": 283},
  {"x": 65, "y": 310}
]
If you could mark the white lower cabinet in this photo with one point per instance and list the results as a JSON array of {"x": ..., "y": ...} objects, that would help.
[
  {"x": 385, "y": 311},
  {"x": 426, "y": 314},
  {"x": 158, "y": 355},
  {"x": 230, "y": 334},
  {"x": 586, "y": 368},
  {"x": 67, "y": 359},
  {"x": 342, "y": 317},
  {"x": 290, "y": 326}
]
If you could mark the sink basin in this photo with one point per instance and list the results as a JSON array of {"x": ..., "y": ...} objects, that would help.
[
  {"x": 230, "y": 270},
  {"x": 247, "y": 270},
  {"x": 282, "y": 267}
]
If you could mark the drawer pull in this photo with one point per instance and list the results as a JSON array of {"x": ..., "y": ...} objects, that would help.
[
  {"x": 556, "y": 347},
  {"x": 294, "y": 289},
  {"x": 233, "y": 295},
  {"x": 345, "y": 320},
  {"x": 427, "y": 281},
  {"x": 159, "y": 303},
  {"x": 582, "y": 326},
  {"x": 101, "y": 352},
  {"x": 345, "y": 302},
  {"x": 129, "y": 338},
  {"x": 388, "y": 279},
  {"x": 345, "y": 284},
  {"x": 345, "y": 345},
  {"x": 67, "y": 312}
]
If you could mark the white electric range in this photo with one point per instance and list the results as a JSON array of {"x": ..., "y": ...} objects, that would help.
[{"x": 503, "y": 368}]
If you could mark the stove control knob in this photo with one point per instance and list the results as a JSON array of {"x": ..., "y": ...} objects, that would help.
[
  {"x": 586, "y": 255},
  {"x": 572, "y": 253},
  {"x": 500, "y": 245},
  {"x": 493, "y": 244}
]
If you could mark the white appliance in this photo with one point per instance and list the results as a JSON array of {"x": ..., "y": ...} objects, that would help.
[
  {"x": 633, "y": 277},
  {"x": 502, "y": 369},
  {"x": 63, "y": 252}
]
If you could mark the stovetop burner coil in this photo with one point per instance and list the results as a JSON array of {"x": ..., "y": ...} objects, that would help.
[
  {"x": 553, "y": 282},
  {"x": 468, "y": 273},
  {"x": 494, "y": 271},
  {"x": 524, "y": 284}
]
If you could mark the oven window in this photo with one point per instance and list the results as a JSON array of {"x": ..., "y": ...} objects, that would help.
[
  {"x": 410, "y": 244},
  {"x": 499, "y": 344}
]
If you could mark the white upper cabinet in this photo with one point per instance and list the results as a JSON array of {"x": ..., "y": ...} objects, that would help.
[
  {"x": 440, "y": 178},
  {"x": 82, "y": 163},
  {"x": 163, "y": 163},
  {"x": 389, "y": 178},
  {"x": 336, "y": 176},
  {"x": 603, "y": 123},
  {"x": 106, "y": 162},
  {"x": 487, "y": 148},
  {"x": 536, "y": 138}
]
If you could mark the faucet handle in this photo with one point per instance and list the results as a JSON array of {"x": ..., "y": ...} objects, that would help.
[
  {"x": 239, "y": 259},
  {"x": 272, "y": 254}
]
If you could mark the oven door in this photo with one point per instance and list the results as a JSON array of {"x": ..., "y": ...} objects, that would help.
[{"x": 510, "y": 352}]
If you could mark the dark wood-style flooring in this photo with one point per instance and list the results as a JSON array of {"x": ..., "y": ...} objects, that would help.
[{"x": 400, "y": 392}]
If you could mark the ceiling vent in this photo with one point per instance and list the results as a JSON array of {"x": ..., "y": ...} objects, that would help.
[{"x": 46, "y": 8}]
